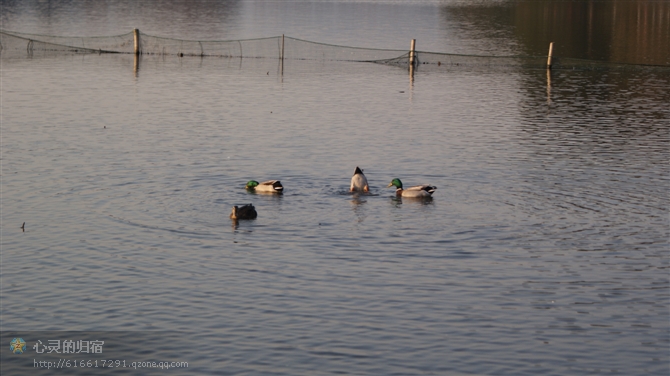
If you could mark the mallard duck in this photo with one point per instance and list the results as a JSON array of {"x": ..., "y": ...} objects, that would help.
[
  {"x": 244, "y": 212},
  {"x": 359, "y": 183},
  {"x": 270, "y": 186},
  {"x": 415, "y": 191}
]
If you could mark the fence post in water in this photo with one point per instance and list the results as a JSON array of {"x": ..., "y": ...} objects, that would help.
[
  {"x": 411, "y": 63},
  {"x": 411, "y": 53},
  {"x": 136, "y": 38},
  {"x": 282, "y": 54},
  {"x": 551, "y": 49}
]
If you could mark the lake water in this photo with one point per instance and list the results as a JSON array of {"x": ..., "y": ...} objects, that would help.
[{"x": 543, "y": 251}]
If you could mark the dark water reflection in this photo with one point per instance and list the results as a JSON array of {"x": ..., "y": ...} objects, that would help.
[
  {"x": 636, "y": 32},
  {"x": 624, "y": 31}
]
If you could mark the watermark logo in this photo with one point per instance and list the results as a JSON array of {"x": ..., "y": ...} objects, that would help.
[{"x": 18, "y": 345}]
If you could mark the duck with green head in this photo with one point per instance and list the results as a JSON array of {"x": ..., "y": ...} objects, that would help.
[
  {"x": 417, "y": 191},
  {"x": 270, "y": 186}
]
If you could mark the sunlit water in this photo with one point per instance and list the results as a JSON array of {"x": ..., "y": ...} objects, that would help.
[{"x": 543, "y": 251}]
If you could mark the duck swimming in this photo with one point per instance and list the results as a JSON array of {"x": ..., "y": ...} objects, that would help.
[
  {"x": 270, "y": 186},
  {"x": 244, "y": 212},
  {"x": 420, "y": 191},
  {"x": 359, "y": 183}
]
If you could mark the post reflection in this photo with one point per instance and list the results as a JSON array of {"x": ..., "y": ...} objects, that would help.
[
  {"x": 136, "y": 65},
  {"x": 549, "y": 87}
]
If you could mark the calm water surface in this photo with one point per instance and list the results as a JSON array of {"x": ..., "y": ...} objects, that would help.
[{"x": 544, "y": 250}]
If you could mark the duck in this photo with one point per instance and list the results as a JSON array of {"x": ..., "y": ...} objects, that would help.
[
  {"x": 419, "y": 191},
  {"x": 359, "y": 183},
  {"x": 244, "y": 212},
  {"x": 270, "y": 186}
]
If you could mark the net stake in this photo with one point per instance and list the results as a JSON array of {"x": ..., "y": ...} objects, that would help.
[
  {"x": 136, "y": 39},
  {"x": 551, "y": 49},
  {"x": 411, "y": 53}
]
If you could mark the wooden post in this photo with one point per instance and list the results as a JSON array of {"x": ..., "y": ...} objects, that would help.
[
  {"x": 136, "y": 38},
  {"x": 282, "y": 55},
  {"x": 551, "y": 49},
  {"x": 411, "y": 53}
]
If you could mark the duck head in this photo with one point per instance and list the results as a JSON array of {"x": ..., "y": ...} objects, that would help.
[{"x": 395, "y": 183}]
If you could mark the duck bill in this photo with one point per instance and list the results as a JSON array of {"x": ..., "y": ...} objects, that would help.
[{"x": 390, "y": 185}]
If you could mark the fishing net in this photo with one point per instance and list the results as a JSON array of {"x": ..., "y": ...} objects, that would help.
[
  {"x": 20, "y": 44},
  {"x": 14, "y": 44}
]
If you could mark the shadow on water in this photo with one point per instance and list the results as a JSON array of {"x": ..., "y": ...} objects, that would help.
[
  {"x": 267, "y": 196},
  {"x": 358, "y": 200},
  {"x": 421, "y": 201},
  {"x": 235, "y": 225}
]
